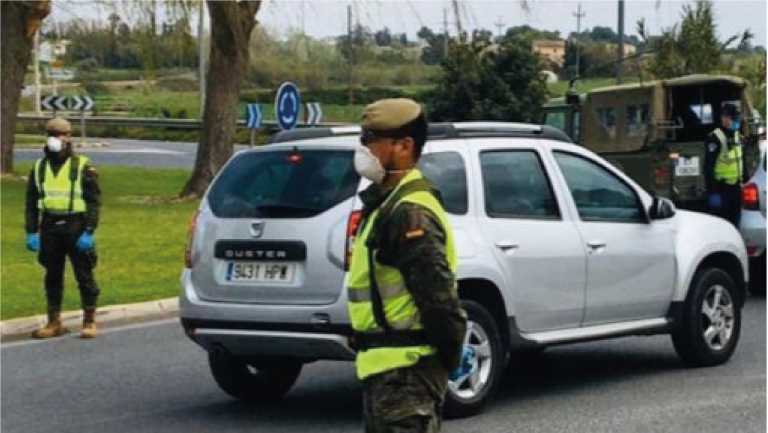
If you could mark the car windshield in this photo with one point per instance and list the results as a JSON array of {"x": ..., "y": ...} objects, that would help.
[{"x": 284, "y": 184}]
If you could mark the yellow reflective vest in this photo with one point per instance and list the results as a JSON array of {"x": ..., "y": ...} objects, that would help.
[
  {"x": 60, "y": 193},
  {"x": 729, "y": 163},
  {"x": 399, "y": 307}
]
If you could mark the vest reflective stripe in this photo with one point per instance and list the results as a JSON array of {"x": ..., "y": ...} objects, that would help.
[
  {"x": 399, "y": 307},
  {"x": 729, "y": 161},
  {"x": 57, "y": 189}
]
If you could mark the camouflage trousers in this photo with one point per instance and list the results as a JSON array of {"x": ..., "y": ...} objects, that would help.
[
  {"x": 406, "y": 400},
  {"x": 58, "y": 240}
]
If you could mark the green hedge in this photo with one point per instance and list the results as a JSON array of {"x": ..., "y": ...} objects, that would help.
[{"x": 328, "y": 95}]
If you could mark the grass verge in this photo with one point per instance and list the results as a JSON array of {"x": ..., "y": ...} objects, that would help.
[{"x": 140, "y": 241}]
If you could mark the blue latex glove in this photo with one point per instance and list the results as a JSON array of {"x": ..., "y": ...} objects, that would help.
[
  {"x": 33, "y": 242},
  {"x": 85, "y": 242},
  {"x": 467, "y": 366},
  {"x": 715, "y": 201}
]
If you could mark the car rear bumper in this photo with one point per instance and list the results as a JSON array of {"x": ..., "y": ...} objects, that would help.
[
  {"x": 249, "y": 330},
  {"x": 752, "y": 228}
]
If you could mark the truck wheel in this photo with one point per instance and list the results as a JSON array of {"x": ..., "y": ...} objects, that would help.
[
  {"x": 256, "y": 380},
  {"x": 468, "y": 395},
  {"x": 711, "y": 321}
]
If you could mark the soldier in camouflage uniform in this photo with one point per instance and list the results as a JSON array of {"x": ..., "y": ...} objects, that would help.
[
  {"x": 409, "y": 328},
  {"x": 62, "y": 212}
]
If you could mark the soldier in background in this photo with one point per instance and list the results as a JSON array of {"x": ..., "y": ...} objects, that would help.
[
  {"x": 62, "y": 213},
  {"x": 724, "y": 166}
]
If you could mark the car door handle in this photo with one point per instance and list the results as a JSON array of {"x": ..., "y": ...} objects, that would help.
[
  {"x": 507, "y": 246},
  {"x": 596, "y": 245}
]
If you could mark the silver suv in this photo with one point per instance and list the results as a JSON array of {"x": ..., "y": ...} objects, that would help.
[{"x": 555, "y": 246}]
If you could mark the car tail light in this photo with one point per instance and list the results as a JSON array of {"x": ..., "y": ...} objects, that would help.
[
  {"x": 661, "y": 175},
  {"x": 752, "y": 250},
  {"x": 353, "y": 223},
  {"x": 749, "y": 197},
  {"x": 190, "y": 240}
]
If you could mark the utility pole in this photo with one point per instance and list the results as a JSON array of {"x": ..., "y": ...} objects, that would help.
[
  {"x": 620, "y": 54},
  {"x": 445, "y": 32},
  {"x": 499, "y": 25},
  {"x": 579, "y": 15},
  {"x": 457, "y": 15},
  {"x": 350, "y": 57},
  {"x": 201, "y": 67},
  {"x": 37, "y": 73}
]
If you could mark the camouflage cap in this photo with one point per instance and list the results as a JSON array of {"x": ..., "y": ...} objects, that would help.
[
  {"x": 389, "y": 114},
  {"x": 58, "y": 125}
]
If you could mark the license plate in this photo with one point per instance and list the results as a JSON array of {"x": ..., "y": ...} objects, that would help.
[
  {"x": 260, "y": 272},
  {"x": 687, "y": 166}
]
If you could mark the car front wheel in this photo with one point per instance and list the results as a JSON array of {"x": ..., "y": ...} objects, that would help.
[
  {"x": 467, "y": 395},
  {"x": 257, "y": 380},
  {"x": 711, "y": 321}
]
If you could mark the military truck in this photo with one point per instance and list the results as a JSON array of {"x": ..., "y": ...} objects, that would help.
[{"x": 655, "y": 130}]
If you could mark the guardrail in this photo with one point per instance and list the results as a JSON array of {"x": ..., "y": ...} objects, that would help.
[{"x": 153, "y": 123}]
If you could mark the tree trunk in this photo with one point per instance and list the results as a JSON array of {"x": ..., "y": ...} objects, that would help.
[
  {"x": 20, "y": 21},
  {"x": 231, "y": 26}
]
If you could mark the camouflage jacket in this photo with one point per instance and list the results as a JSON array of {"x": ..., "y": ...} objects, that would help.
[{"x": 423, "y": 264}]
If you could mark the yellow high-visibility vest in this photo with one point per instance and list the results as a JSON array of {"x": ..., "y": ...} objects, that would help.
[
  {"x": 729, "y": 162},
  {"x": 399, "y": 307},
  {"x": 60, "y": 193}
]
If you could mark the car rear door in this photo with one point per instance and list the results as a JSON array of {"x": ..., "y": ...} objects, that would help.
[
  {"x": 274, "y": 228},
  {"x": 533, "y": 238},
  {"x": 630, "y": 260}
]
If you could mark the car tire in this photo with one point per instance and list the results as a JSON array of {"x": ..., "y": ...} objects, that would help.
[
  {"x": 257, "y": 380},
  {"x": 710, "y": 324},
  {"x": 467, "y": 396}
]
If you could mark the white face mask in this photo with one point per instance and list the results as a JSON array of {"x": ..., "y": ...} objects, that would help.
[
  {"x": 55, "y": 144},
  {"x": 368, "y": 165}
]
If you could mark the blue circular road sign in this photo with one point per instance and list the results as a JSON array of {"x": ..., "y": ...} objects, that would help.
[{"x": 287, "y": 106}]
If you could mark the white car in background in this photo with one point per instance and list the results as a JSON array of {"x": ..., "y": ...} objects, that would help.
[{"x": 753, "y": 223}]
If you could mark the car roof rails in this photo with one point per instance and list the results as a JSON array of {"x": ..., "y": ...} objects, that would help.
[{"x": 438, "y": 131}]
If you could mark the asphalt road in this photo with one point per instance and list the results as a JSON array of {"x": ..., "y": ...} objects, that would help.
[
  {"x": 150, "y": 378},
  {"x": 131, "y": 153}
]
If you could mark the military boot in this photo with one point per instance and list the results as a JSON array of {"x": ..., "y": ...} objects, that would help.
[
  {"x": 89, "y": 323},
  {"x": 54, "y": 328}
]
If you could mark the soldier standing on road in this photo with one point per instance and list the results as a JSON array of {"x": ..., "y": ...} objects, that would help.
[
  {"x": 403, "y": 302},
  {"x": 724, "y": 166},
  {"x": 63, "y": 200}
]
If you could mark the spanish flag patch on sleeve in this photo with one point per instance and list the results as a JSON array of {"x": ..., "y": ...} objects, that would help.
[{"x": 414, "y": 234}]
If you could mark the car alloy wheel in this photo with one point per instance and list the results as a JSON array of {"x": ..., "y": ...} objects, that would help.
[
  {"x": 718, "y": 317},
  {"x": 470, "y": 386}
]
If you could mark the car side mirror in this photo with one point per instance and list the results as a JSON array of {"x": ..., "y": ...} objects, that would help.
[{"x": 662, "y": 208}]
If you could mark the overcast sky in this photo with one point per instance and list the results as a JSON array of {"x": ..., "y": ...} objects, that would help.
[{"x": 321, "y": 18}]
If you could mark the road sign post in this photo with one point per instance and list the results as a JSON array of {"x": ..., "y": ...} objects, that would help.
[
  {"x": 81, "y": 104},
  {"x": 287, "y": 106}
]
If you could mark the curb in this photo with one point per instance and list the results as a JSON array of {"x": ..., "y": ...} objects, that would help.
[{"x": 106, "y": 317}]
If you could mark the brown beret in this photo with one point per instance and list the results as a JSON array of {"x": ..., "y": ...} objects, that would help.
[
  {"x": 58, "y": 125},
  {"x": 389, "y": 114}
]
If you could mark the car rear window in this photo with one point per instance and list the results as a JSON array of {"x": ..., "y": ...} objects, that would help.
[{"x": 284, "y": 184}]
